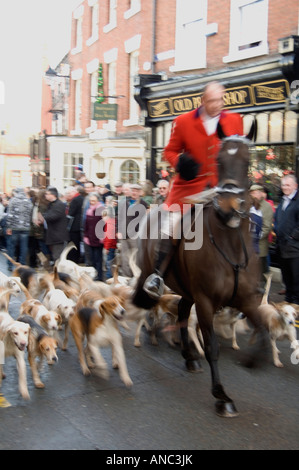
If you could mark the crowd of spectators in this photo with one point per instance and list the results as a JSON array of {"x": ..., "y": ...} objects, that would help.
[{"x": 36, "y": 224}]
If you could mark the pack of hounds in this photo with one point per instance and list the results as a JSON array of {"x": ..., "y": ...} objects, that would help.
[{"x": 68, "y": 299}]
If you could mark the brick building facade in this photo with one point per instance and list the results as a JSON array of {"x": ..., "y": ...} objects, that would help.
[{"x": 167, "y": 49}]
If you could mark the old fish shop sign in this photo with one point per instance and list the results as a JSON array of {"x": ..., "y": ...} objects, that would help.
[{"x": 234, "y": 98}]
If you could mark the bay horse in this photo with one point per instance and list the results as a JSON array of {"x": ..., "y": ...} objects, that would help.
[{"x": 223, "y": 272}]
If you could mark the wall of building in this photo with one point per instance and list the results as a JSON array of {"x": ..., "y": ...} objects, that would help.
[{"x": 155, "y": 43}]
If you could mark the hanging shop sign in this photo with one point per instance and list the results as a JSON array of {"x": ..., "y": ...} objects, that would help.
[
  {"x": 104, "y": 112},
  {"x": 238, "y": 97}
]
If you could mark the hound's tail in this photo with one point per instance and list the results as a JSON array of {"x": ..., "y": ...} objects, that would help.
[
  {"x": 13, "y": 261},
  {"x": 4, "y": 298},
  {"x": 267, "y": 289},
  {"x": 66, "y": 251},
  {"x": 24, "y": 290}
]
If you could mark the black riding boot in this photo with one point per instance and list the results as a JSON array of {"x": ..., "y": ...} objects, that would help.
[{"x": 154, "y": 284}]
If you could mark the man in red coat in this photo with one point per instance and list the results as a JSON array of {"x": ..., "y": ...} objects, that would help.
[{"x": 192, "y": 150}]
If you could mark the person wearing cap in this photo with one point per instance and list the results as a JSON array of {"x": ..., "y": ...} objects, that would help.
[
  {"x": 55, "y": 222},
  {"x": 286, "y": 226},
  {"x": 257, "y": 194},
  {"x": 126, "y": 220},
  {"x": 18, "y": 224},
  {"x": 118, "y": 188},
  {"x": 192, "y": 150}
]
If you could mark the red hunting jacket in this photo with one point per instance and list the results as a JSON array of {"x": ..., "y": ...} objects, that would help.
[{"x": 189, "y": 135}]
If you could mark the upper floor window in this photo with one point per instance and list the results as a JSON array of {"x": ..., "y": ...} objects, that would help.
[
  {"x": 112, "y": 16},
  {"x": 248, "y": 29},
  {"x": 94, "y": 30},
  {"x": 78, "y": 17},
  {"x": 134, "y": 7},
  {"x": 93, "y": 94},
  {"x": 79, "y": 33},
  {"x": 133, "y": 106},
  {"x": 78, "y": 105},
  {"x": 190, "y": 40}
]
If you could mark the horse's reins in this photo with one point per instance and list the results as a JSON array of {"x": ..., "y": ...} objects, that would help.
[{"x": 236, "y": 266}]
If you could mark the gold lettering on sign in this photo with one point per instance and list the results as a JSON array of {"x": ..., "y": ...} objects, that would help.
[
  {"x": 196, "y": 101},
  {"x": 273, "y": 94},
  {"x": 237, "y": 97},
  {"x": 182, "y": 105}
]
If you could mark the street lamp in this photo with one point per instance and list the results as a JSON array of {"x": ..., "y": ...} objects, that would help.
[{"x": 51, "y": 74}]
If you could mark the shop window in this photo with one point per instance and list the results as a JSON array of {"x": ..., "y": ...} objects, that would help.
[
  {"x": 262, "y": 128},
  {"x": 71, "y": 162},
  {"x": 276, "y": 127},
  {"x": 274, "y": 152},
  {"x": 290, "y": 131},
  {"x": 268, "y": 163},
  {"x": 129, "y": 172}
]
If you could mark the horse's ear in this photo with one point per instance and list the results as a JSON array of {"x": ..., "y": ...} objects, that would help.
[
  {"x": 220, "y": 132},
  {"x": 253, "y": 131}
]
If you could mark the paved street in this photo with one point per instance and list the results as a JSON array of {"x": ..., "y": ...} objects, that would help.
[{"x": 167, "y": 408}]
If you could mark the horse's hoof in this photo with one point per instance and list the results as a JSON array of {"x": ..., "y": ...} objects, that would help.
[
  {"x": 226, "y": 409},
  {"x": 191, "y": 366},
  {"x": 190, "y": 355}
]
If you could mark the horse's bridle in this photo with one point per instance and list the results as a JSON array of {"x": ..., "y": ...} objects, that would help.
[{"x": 236, "y": 266}]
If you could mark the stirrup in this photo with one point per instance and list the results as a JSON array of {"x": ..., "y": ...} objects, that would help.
[{"x": 154, "y": 286}]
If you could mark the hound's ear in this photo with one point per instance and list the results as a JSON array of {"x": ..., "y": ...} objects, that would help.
[
  {"x": 220, "y": 132},
  {"x": 102, "y": 310},
  {"x": 46, "y": 317},
  {"x": 253, "y": 131}
]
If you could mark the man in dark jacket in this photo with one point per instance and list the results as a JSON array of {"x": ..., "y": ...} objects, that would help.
[
  {"x": 18, "y": 223},
  {"x": 287, "y": 231},
  {"x": 75, "y": 200},
  {"x": 55, "y": 222}
]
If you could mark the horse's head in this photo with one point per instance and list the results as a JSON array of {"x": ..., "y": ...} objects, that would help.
[{"x": 233, "y": 162}]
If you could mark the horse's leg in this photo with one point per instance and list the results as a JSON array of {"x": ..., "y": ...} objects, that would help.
[
  {"x": 184, "y": 308},
  {"x": 224, "y": 405}
]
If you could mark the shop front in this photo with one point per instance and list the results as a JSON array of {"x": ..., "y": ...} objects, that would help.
[{"x": 260, "y": 91}]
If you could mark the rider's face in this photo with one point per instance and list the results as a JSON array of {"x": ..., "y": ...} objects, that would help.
[{"x": 213, "y": 101}]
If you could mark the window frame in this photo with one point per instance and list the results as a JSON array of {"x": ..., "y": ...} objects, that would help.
[
  {"x": 184, "y": 61},
  {"x": 235, "y": 53}
]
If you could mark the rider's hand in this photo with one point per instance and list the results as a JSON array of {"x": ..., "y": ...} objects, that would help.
[{"x": 187, "y": 167}]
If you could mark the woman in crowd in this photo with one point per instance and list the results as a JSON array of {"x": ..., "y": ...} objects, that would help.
[{"x": 93, "y": 216}]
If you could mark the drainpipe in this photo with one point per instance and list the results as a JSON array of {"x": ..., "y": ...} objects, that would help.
[
  {"x": 153, "y": 167},
  {"x": 154, "y": 31}
]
